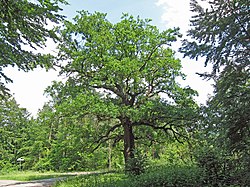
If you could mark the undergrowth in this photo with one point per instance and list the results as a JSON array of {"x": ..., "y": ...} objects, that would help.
[
  {"x": 169, "y": 176},
  {"x": 29, "y": 175}
]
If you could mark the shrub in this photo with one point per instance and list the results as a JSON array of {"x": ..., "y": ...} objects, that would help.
[
  {"x": 169, "y": 176},
  {"x": 162, "y": 176},
  {"x": 6, "y": 167},
  {"x": 222, "y": 169},
  {"x": 137, "y": 165}
]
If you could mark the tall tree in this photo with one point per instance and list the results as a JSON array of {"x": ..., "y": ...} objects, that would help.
[
  {"x": 124, "y": 70},
  {"x": 23, "y": 32},
  {"x": 13, "y": 132},
  {"x": 221, "y": 34}
]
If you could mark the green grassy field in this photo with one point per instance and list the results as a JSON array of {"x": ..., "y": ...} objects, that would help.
[{"x": 30, "y": 175}]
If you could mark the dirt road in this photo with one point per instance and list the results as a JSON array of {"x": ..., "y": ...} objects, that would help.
[{"x": 42, "y": 183}]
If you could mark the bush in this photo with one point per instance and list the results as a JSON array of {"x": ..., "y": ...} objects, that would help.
[
  {"x": 94, "y": 180},
  {"x": 137, "y": 165},
  {"x": 222, "y": 169},
  {"x": 168, "y": 176},
  {"x": 6, "y": 167},
  {"x": 212, "y": 167},
  {"x": 43, "y": 164}
]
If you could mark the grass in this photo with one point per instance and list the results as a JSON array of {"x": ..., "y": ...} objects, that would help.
[
  {"x": 107, "y": 179},
  {"x": 30, "y": 175},
  {"x": 168, "y": 176},
  {"x": 156, "y": 176}
]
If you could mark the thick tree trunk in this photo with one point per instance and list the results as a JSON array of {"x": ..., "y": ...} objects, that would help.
[{"x": 129, "y": 143}]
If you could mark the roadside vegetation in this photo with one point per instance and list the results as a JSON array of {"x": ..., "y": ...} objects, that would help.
[
  {"x": 30, "y": 175},
  {"x": 158, "y": 176}
]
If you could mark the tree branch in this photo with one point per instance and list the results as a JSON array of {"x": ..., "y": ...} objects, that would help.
[
  {"x": 149, "y": 56},
  {"x": 163, "y": 128},
  {"x": 105, "y": 137}
]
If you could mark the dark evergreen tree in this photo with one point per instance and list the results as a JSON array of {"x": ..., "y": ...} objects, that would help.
[
  {"x": 221, "y": 34},
  {"x": 23, "y": 33}
]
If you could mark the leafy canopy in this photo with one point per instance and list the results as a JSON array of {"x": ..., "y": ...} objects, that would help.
[
  {"x": 125, "y": 73},
  {"x": 23, "y": 33}
]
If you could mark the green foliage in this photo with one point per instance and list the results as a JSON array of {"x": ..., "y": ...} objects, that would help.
[
  {"x": 220, "y": 167},
  {"x": 231, "y": 103},
  {"x": 117, "y": 74},
  {"x": 64, "y": 143},
  {"x": 216, "y": 171},
  {"x": 136, "y": 165},
  {"x": 221, "y": 35},
  {"x": 176, "y": 154},
  {"x": 159, "y": 176},
  {"x": 50, "y": 142},
  {"x": 109, "y": 179},
  {"x": 14, "y": 125},
  {"x": 169, "y": 176},
  {"x": 230, "y": 108},
  {"x": 24, "y": 29},
  {"x": 7, "y": 167}
]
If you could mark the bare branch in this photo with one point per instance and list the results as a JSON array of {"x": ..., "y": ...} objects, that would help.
[
  {"x": 149, "y": 56},
  {"x": 167, "y": 127},
  {"x": 105, "y": 137}
]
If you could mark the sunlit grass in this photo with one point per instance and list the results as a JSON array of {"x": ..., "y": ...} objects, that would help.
[
  {"x": 30, "y": 175},
  {"x": 108, "y": 179}
]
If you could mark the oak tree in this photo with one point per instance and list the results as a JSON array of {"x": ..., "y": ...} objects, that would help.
[{"x": 127, "y": 74}]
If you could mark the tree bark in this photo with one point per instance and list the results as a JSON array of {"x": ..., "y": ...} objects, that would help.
[
  {"x": 110, "y": 156},
  {"x": 129, "y": 143}
]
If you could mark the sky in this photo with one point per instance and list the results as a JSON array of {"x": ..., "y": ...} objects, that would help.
[{"x": 28, "y": 88}]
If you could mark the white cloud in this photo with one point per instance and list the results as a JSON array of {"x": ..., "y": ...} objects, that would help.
[{"x": 177, "y": 14}]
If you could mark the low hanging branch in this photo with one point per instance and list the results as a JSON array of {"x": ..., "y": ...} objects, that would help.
[
  {"x": 107, "y": 137},
  {"x": 167, "y": 127}
]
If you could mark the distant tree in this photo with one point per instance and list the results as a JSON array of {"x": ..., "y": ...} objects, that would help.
[
  {"x": 124, "y": 70},
  {"x": 23, "y": 32},
  {"x": 13, "y": 129}
]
